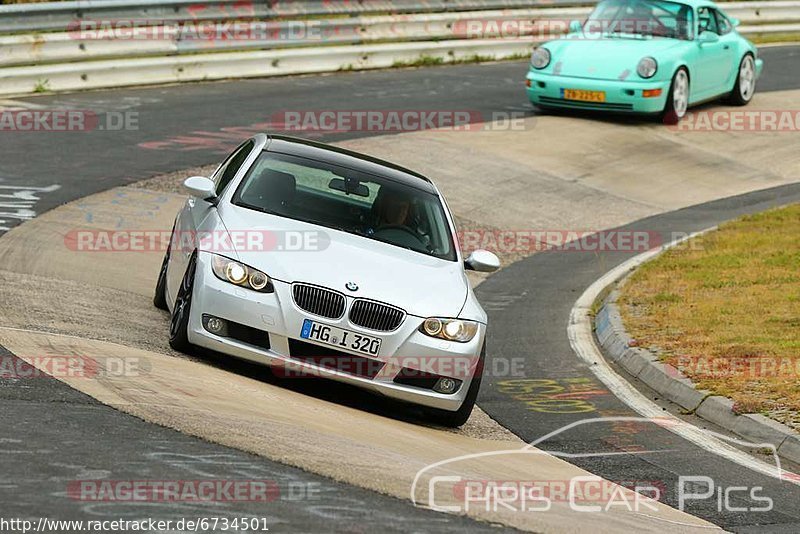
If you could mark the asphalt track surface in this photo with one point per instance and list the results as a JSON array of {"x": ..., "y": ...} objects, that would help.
[
  {"x": 564, "y": 390},
  {"x": 56, "y": 434}
]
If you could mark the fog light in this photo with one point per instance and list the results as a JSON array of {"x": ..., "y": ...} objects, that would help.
[
  {"x": 446, "y": 385},
  {"x": 215, "y": 325}
]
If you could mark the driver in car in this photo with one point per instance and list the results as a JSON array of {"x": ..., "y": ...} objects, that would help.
[
  {"x": 394, "y": 219},
  {"x": 394, "y": 210}
]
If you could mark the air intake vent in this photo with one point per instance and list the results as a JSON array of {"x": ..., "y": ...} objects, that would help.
[
  {"x": 334, "y": 359},
  {"x": 318, "y": 300},
  {"x": 376, "y": 316},
  {"x": 588, "y": 105}
]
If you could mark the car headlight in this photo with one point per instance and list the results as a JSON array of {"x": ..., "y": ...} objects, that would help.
[
  {"x": 540, "y": 58},
  {"x": 240, "y": 274},
  {"x": 449, "y": 329},
  {"x": 647, "y": 67}
]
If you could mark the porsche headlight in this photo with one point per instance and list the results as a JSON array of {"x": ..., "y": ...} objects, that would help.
[
  {"x": 241, "y": 275},
  {"x": 540, "y": 58},
  {"x": 647, "y": 67},
  {"x": 449, "y": 329}
]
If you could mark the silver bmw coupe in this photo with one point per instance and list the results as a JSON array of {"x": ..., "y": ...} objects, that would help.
[{"x": 319, "y": 261}]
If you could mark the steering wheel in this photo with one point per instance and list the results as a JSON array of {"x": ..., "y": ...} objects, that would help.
[{"x": 399, "y": 234}]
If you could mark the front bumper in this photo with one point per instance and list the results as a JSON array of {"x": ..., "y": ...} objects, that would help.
[
  {"x": 278, "y": 317},
  {"x": 621, "y": 96}
]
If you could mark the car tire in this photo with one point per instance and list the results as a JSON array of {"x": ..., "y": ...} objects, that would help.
[
  {"x": 744, "y": 89},
  {"x": 460, "y": 416},
  {"x": 677, "y": 101},
  {"x": 181, "y": 311},
  {"x": 160, "y": 297}
]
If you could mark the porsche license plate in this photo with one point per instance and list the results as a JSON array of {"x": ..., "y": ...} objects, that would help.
[
  {"x": 583, "y": 96},
  {"x": 340, "y": 338}
]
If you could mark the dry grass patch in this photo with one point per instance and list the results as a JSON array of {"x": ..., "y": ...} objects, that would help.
[{"x": 725, "y": 310}]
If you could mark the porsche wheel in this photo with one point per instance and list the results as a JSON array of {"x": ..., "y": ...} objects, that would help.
[
  {"x": 678, "y": 98},
  {"x": 745, "y": 86}
]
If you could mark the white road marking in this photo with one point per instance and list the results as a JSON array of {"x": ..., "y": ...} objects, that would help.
[
  {"x": 581, "y": 339},
  {"x": 17, "y": 104},
  {"x": 17, "y": 202}
]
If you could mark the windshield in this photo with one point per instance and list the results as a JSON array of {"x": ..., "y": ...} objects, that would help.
[
  {"x": 348, "y": 200},
  {"x": 650, "y": 18}
]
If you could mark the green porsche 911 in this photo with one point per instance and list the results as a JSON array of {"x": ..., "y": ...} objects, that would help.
[{"x": 646, "y": 56}]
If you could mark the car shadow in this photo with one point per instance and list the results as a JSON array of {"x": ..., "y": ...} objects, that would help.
[
  {"x": 319, "y": 388},
  {"x": 626, "y": 119},
  {"x": 619, "y": 118}
]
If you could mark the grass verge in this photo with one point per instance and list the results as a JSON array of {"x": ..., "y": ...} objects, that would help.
[{"x": 725, "y": 310}]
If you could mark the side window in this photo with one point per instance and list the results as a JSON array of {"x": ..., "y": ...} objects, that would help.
[
  {"x": 723, "y": 23},
  {"x": 707, "y": 20},
  {"x": 231, "y": 165}
]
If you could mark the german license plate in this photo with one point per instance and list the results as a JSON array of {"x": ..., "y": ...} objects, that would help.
[
  {"x": 340, "y": 338},
  {"x": 583, "y": 96}
]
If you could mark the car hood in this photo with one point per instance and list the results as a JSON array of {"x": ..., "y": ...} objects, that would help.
[
  {"x": 613, "y": 58},
  {"x": 421, "y": 285}
]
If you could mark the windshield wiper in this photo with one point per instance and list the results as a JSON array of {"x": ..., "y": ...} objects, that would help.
[{"x": 329, "y": 225}]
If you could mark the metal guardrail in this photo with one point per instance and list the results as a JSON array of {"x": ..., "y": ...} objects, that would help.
[
  {"x": 171, "y": 40},
  {"x": 88, "y": 41},
  {"x": 56, "y": 16},
  {"x": 69, "y": 60}
]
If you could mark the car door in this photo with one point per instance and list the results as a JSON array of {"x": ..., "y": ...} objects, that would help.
[
  {"x": 729, "y": 39},
  {"x": 194, "y": 212},
  {"x": 713, "y": 59}
]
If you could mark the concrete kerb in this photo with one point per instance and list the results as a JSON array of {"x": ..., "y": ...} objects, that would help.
[{"x": 672, "y": 385}]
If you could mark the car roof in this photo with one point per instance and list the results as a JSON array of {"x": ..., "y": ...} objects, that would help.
[
  {"x": 296, "y": 146},
  {"x": 696, "y": 3}
]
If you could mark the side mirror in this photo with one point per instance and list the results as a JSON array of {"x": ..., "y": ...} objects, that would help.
[
  {"x": 735, "y": 22},
  {"x": 200, "y": 187},
  {"x": 575, "y": 26},
  {"x": 482, "y": 261},
  {"x": 708, "y": 38}
]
